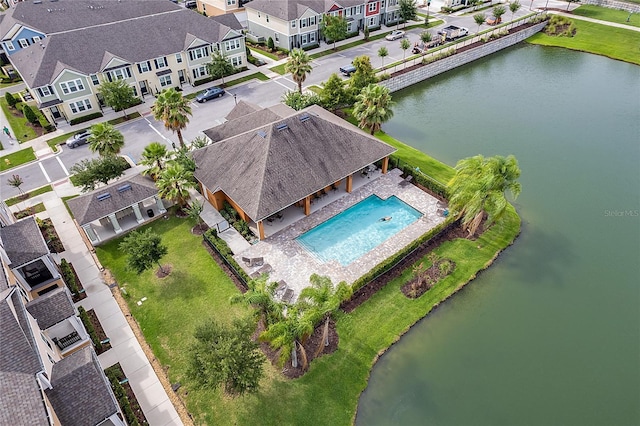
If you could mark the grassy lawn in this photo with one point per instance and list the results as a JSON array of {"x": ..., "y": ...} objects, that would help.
[
  {"x": 32, "y": 193},
  {"x": 18, "y": 125},
  {"x": 17, "y": 158},
  {"x": 329, "y": 392},
  {"x": 263, "y": 53},
  {"x": 255, "y": 75},
  {"x": 615, "y": 43},
  {"x": 278, "y": 68},
  {"x": 606, "y": 14}
]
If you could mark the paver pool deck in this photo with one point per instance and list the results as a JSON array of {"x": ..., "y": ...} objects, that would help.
[{"x": 294, "y": 264}]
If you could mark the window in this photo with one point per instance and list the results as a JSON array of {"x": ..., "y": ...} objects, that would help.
[
  {"x": 36, "y": 39},
  {"x": 44, "y": 339},
  {"x": 80, "y": 106},
  {"x": 236, "y": 61},
  {"x": 293, "y": 24},
  {"x": 51, "y": 359},
  {"x": 119, "y": 74},
  {"x": 23, "y": 42},
  {"x": 144, "y": 67},
  {"x": 10, "y": 45},
  {"x": 232, "y": 44},
  {"x": 372, "y": 7},
  {"x": 161, "y": 62},
  {"x": 276, "y": 37},
  {"x": 44, "y": 91},
  {"x": 165, "y": 80},
  {"x": 179, "y": 58},
  {"x": 200, "y": 72},
  {"x": 71, "y": 86},
  {"x": 231, "y": 2},
  {"x": 95, "y": 80},
  {"x": 267, "y": 18},
  {"x": 382, "y": 4},
  {"x": 371, "y": 21},
  {"x": 308, "y": 38},
  {"x": 198, "y": 53}
]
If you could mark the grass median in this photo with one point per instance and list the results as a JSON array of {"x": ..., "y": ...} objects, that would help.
[
  {"x": 16, "y": 159},
  {"x": 29, "y": 194},
  {"x": 606, "y": 14}
]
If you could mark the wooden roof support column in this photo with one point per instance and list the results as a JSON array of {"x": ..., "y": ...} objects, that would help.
[
  {"x": 261, "y": 230},
  {"x": 385, "y": 164},
  {"x": 349, "y": 183},
  {"x": 307, "y": 205}
]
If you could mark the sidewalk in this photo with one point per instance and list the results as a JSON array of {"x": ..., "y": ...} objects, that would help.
[{"x": 125, "y": 349}]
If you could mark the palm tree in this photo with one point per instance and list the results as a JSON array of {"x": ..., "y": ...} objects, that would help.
[
  {"x": 425, "y": 38},
  {"x": 404, "y": 45},
  {"x": 299, "y": 65},
  {"x": 382, "y": 53},
  {"x": 324, "y": 300},
  {"x": 16, "y": 181},
  {"x": 288, "y": 333},
  {"x": 261, "y": 297},
  {"x": 174, "y": 183},
  {"x": 373, "y": 107},
  {"x": 154, "y": 156},
  {"x": 479, "y": 186},
  {"x": 105, "y": 139},
  {"x": 172, "y": 109},
  {"x": 480, "y": 19}
]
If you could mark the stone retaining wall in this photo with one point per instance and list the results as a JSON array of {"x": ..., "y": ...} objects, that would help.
[
  {"x": 424, "y": 72},
  {"x": 614, "y": 4}
]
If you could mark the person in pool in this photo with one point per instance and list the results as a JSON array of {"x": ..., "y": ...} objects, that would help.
[{"x": 385, "y": 219}]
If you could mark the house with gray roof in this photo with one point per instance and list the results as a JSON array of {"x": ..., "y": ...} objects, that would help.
[
  {"x": 118, "y": 207},
  {"x": 286, "y": 162},
  {"x": 27, "y": 259},
  {"x": 68, "y": 49}
]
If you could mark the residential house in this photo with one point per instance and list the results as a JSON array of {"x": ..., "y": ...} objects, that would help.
[
  {"x": 219, "y": 7},
  {"x": 64, "y": 51},
  {"x": 26, "y": 257},
  {"x": 285, "y": 159}
]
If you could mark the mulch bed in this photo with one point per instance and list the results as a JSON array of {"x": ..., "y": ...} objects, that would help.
[
  {"x": 164, "y": 272},
  {"x": 419, "y": 286},
  {"x": 81, "y": 293},
  {"x": 99, "y": 331},
  {"x": 199, "y": 229},
  {"x": 216, "y": 257},
  {"x": 51, "y": 236}
]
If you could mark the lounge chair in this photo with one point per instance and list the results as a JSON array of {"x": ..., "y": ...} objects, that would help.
[
  {"x": 246, "y": 260},
  {"x": 281, "y": 289},
  {"x": 288, "y": 296},
  {"x": 406, "y": 181},
  {"x": 265, "y": 269},
  {"x": 257, "y": 261}
]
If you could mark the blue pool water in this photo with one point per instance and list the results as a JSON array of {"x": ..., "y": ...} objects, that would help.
[{"x": 357, "y": 230}]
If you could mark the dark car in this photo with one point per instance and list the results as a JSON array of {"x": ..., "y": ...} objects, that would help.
[
  {"x": 79, "y": 138},
  {"x": 210, "y": 93},
  {"x": 348, "y": 70},
  {"x": 190, "y": 4}
]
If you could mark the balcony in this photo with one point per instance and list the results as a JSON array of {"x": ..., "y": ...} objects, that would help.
[{"x": 68, "y": 335}]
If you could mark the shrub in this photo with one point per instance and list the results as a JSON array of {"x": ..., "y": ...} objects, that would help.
[
  {"x": 560, "y": 26},
  {"x": 114, "y": 374},
  {"x": 366, "y": 33},
  {"x": 203, "y": 81},
  {"x": 311, "y": 46},
  {"x": 270, "y": 44},
  {"x": 69, "y": 277},
  {"x": 84, "y": 118},
  {"x": 11, "y": 100},
  {"x": 223, "y": 249},
  {"x": 384, "y": 76},
  {"x": 30, "y": 115},
  {"x": 88, "y": 325}
]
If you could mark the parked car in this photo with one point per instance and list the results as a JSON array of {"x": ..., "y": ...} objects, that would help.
[
  {"x": 394, "y": 35},
  {"x": 191, "y": 4},
  {"x": 210, "y": 93},
  {"x": 347, "y": 70},
  {"x": 78, "y": 139}
]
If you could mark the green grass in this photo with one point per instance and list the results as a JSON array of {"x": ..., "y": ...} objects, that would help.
[
  {"x": 329, "y": 392},
  {"x": 38, "y": 208},
  {"x": 32, "y": 193},
  {"x": 606, "y": 14},
  {"x": 278, "y": 68},
  {"x": 615, "y": 43},
  {"x": 255, "y": 75},
  {"x": 67, "y": 198},
  {"x": 17, "y": 158},
  {"x": 263, "y": 53},
  {"x": 19, "y": 125}
]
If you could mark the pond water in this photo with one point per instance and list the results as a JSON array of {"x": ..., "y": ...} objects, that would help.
[{"x": 550, "y": 334}]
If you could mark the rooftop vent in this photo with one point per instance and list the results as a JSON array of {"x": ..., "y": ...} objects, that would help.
[
  {"x": 103, "y": 197},
  {"x": 282, "y": 126},
  {"x": 124, "y": 188},
  {"x": 304, "y": 117},
  {"x": 37, "y": 1},
  {"x": 261, "y": 134}
]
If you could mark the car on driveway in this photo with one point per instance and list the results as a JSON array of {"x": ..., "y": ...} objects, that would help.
[
  {"x": 394, "y": 35},
  {"x": 190, "y": 4},
  {"x": 78, "y": 139},
  {"x": 347, "y": 70},
  {"x": 210, "y": 93}
]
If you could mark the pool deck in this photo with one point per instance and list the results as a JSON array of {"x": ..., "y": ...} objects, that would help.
[{"x": 294, "y": 264}]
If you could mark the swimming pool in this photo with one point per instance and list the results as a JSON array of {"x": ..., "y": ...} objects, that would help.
[{"x": 357, "y": 230}]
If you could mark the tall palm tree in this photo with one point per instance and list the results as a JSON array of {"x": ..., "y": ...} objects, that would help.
[
  {"x": 382, "y": 53},
  {"x": 172, "y": 109},
  {"x": 299, "y": 65},
  {"x": 324, "y": 299},
  {"x": 404, "y": 45},
  {"x": 105, "y": 139},
  {"x": 174, "y": 183},
  {"x": 261, "y": 297},
  {"x": 480, "y": 185},
  {"x": 154, "y": 156},
  {"x": 373, "y": 107},
  {"x": 288, "y": 334}
]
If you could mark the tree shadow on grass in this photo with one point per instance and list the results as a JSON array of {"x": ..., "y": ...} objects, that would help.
[{"x": 179, "y": 284}]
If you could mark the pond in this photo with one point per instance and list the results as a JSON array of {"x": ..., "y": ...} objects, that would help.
[{"x": 550, "y": 334}]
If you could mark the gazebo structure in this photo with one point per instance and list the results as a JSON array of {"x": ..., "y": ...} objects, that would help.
[
  {"x": 265, "y": 160},
  {"x": 117, "y": 207}
]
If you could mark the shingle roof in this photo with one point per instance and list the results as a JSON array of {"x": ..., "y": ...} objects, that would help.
[
  {"x": 51, "y": 308},
  {"x": 228, "y": 19},
  {"x": 4, "y": 283},
  {"x": 243, "y": 108},
  {"x": 292, "y": 9},
  {"x": 270, "y": 168},
  {"x": 20, "y": 396},
  {"x": 23, "y": 242},
  {"x": 87, "y": 51},
  {"x": 246, "y": 122},
  {"x": 80, "y": 395},
  {"x": 87, "y": 208}
]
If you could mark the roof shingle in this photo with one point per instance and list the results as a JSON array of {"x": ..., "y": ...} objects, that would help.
[
  {"x": 51, "y": 308},
  {"x": 23, "y": 242}
]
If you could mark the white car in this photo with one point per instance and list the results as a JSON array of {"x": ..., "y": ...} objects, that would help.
[{"x": 394, "y": 35}]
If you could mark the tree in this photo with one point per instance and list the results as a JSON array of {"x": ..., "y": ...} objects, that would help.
[
  {"x": 172, "y": 109},
  {"x": 30, "y": 115},
  {"x": 270, "y": 44},
  {"x": 333, "y": 94},
  {"x": 366, "y": 33},
  {"x": 298, "y": 101},
  {"x": 154, "y": 156},
  {"x": 219, "y": 67},
  {"x": 260, "y": 296},
  {"x": 16, "y": 181},
  {"x": 334, "y": 27},
  {"x": 408, "y": 11},
  {"x": 479, "y": 19},
  {"x": 143, "y": 250},
  {"x": 571, "y": 1},
  {"x": 105, "y": 139},
  {"x": 299, "y": 65},
  {"x": 199, "y": 142},
  {"x": 497, "y": 13},
  {"x": 373, "y": 107},
  {"x": 404, "y": 45},
  {"x": 288, "y": 334},
  {"x": 89, "y": 173},
  {"x": 12, "y": 101},
  {"x": 118, "y": 95},
  {"x": 383, "y": 52},
  {"x": 183, "y": 156},
  {"x": 514, "y": 6},
  {"x": 363, "y": 75},
  {"x": 174, "y": 183},
  {"x": 194, "y": 211},
  {"x": 324, "y": 301},
  {"x": 425, "y": 38},
  {"x": 226, "y": 356},
  {"x": 479, "y": 186}
]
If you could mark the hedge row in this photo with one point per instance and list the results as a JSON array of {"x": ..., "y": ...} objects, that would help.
[
  {"x": 419, "y": 177},
  {"x": 69, "y": 277},
  {"x": 84, "y": 118},
  {"x": 113, "y": 374},
  {"x": 221, "y": 246},
  {"x": 88, "y": 325}
]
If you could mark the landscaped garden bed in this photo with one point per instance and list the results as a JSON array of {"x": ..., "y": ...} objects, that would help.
[
  {"x": 124, "y": 394},
  {"x": 50, "y": 235},
  {"x": 94, "y": 328},
  {"x": 27, "y": 195},
  {"x": 72, "y": 281},
  {"x": 29, "y": 211}
]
